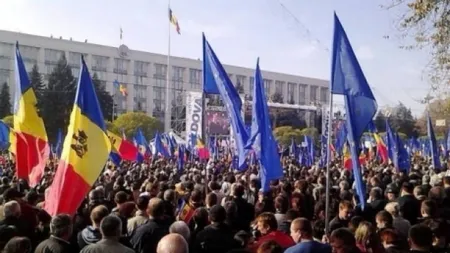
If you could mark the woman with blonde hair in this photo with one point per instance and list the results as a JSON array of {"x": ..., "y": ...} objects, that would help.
[{"x": 367, "y": 239}]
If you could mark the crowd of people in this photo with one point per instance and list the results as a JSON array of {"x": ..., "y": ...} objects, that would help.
[{"x": 207, "y": 207}]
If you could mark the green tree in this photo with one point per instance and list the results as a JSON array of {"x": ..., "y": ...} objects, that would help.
[
  {"x": 310, "y": 131},
  {"x": 380, "y": 121},
  {"x": 36, "y": 81},
  {"x": 131, "y": 121},
  {"x": 9, "y": 120},
  {"x": 284, "y": 134},
  {"x": 402, "y": 120},
  {"x": 277, "y": 97},
  {"x": 58, "y": 97},
  {"x": 112, "y": 127},
  {"x": 427, "y": 22},
  {"x": 5, "y": 101},
  {"x": 104, "y": 98}
]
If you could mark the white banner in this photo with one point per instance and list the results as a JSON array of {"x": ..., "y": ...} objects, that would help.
[
  {"x": 194, "y": 113},
  {"x": 325, "y": 121}
]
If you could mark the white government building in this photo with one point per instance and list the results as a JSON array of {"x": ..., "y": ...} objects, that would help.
[{"x": 144, "y": 73}]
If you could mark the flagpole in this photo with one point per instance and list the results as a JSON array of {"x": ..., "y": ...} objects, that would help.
[
  {"x": 327, "y": 188},
  {"x": 167, "y": 116}
]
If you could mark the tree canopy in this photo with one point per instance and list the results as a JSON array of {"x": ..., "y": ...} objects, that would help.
[
  {"x": 284, "y": 134},
  {"x": 427, "y": 22},
  {"x": 104, "y": 98},
  {"x": 5, "y": 101},
  {"x": 57, "y": 99},
  {"x": 131, "y": 121}
]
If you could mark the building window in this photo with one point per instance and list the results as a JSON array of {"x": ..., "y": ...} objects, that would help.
[
  {"x": 302, "y": 94},
  {"x": 279, "y": 87},
  {"x": 53, "y": 56},
  {"x": 160, "y": 71},
  {"x": 74, "y": 59},
  {"x": 140, "y": 98},
  {"x": 30, "y": 56},
  {"x": 195, "y": 77},
  {"x": 159, "y": 95},
  {"x": 323, "y": 95},
  {"x": 140, "y": 68},
  {"x": 267, "y": 88},
  {"x": 292, "y": 88},
  {"x": 251, "y": 82},
  {"x": 177, "y": 77},
  {"x": 313, "y": 94},
  {"x": 121, "y": 66},
  {"x": 99, "y": 63},
  {"x": 6, "y": 50}
]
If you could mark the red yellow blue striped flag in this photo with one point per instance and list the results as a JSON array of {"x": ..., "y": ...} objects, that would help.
[
  {"x": 85, "y": 151},
  {"x": 31, "y": 145}
]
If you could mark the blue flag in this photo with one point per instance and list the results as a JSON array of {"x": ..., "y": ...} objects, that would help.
[
  {"x": 4, "y": 136},
  {"x": 432, "y": 144},
  {"x": 348, "y": 79},
  {"x": 214, "y": 75},
  {"x": 159, "y": 147},
  {"x": 341, "y": 138},
  {"x": 391, "y": 144},
  {"x": 181, "y": 150},
  {"x": 262, "y": 139},
  {"x": 59, "y": 143}
]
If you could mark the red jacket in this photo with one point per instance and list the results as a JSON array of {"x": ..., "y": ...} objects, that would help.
[{"x": 284, "y": 240}]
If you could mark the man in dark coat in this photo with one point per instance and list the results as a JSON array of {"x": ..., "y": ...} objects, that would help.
[{"x": 61, "y": 231}]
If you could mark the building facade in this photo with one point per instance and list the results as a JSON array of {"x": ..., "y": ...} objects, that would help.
[{"x": 144, "y": 74}]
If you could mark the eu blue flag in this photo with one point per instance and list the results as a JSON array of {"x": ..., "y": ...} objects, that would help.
[
  {"x": 159, "y": 147},
  {"x": 59, "y": 143},
  {"x": 433, "y": 145},
  {"x": 261, "y": 138},
  {"x": 341, "y": 138},
  {"x": 391, "y": 144},
  {"x": 4, "y": 136},
  {"x": 348, "y": 79},
  {"x": 181, "y": 151},
  {"x": 214, "y": 75}
]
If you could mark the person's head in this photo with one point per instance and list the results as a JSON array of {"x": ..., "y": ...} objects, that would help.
[
  {"x": 155, "y": 208},
  {"x": 389, "y": 237},
  {"x": 345, "y": 210},
  {"x": 11, "y": 209},
  {"x": 169, "y": 195},
  {"x": 301, "y": 229},
  {"x": 217, "y": 214},
  {"x": 407, "y": 188},
  {"x": 172, "y": 243},
  {"x": 211, "y": 199},
  {"x": 266, "y": 223},
  {"x": 243, "y": 238},
  {"x": 384, "y": 219},
  {"x": 391, "y": 194},
  {"x": 393, "y": 208},
  {"x": 281, "y": 204},
  {"x": 61, "y": 226},
  {"x": 376, "y": 194},
  {"x": 238, "y": 191},
  {"x": 420, "y": 237},
  {"x": 111, "y": 227},
  {"x": 97, "y": 215},
  {"x": 120, "y": 198},
  {"x": 142, "y": 202},
  {"x": 269, "y": 247},
  {"x": 180, "y": 227},
  {"x": 429, "y": 209},
  {"x": 342, "y": 240},
  {"x": 354, "y": 223},
  {"x": 364, "y": 232},
  {"x": 200, "y": 217},
  {"x": 446, "y": 181},
  {"x": 419, "y": 192},
  {"x": 18, "y": 245}
]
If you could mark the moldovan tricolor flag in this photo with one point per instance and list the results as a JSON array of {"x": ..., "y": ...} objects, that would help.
[
  {"x": 85, "y": 151},
  {"x": 124, "y": 148},
  {"x": 31, "y": 147}
]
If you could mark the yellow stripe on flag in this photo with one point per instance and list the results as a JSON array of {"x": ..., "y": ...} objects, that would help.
[
  {"x": 26, "y": 118},
  {"x": 86, "y": 147}
]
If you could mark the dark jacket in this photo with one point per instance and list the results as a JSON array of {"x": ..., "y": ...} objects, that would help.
[
  {"x": 87, "y": 236},
  {"x": 338, "y": 223},
  {"x": 215, "y": 238},
  {"x": 246, "y": 213},
  {"x": 56, "y": 245},
  {"x": 410, "y": 208},
  {"x": 146, "y": 237}
]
